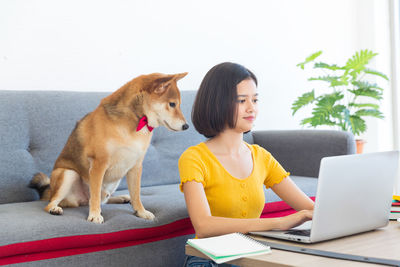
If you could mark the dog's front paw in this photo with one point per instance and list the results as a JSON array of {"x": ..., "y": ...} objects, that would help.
[
  {"x": 145, "y": 214},
  {"x": 95, "y": 218},
  {"x": 56, "y": 211}
]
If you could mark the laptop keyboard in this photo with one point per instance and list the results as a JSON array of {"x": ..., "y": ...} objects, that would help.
[{"x": 299, "y": 232}]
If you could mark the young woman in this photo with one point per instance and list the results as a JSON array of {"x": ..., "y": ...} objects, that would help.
[{"x": 223, "y": 178}]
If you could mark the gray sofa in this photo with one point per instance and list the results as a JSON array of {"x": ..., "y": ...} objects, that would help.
[{"x": 34, "y": 127}]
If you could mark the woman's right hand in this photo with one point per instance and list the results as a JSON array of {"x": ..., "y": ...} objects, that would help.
[{"x": 293, "y": 220}]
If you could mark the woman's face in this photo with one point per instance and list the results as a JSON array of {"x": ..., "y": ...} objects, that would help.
[{"x": 246, "y": 106}]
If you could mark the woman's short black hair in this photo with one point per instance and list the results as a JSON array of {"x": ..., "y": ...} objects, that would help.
[{"x": 215, "y": 104}]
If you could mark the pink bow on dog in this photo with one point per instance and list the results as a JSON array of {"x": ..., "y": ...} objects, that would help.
[{"x": 143, "y": 122}]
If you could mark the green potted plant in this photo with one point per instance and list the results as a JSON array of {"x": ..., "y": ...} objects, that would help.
[{"x": 349, "y": 95}]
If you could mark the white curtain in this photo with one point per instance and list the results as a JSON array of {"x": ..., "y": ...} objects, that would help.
[{"x": 394, "y": 11}]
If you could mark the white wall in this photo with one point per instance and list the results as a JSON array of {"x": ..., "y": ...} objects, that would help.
[{"x": 100, "y": 45}]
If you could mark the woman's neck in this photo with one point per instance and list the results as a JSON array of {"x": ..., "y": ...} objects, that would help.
[{"x": 227, "y": 142}]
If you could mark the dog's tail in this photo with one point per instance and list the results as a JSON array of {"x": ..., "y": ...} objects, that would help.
[{"x": 41, "y": 182}]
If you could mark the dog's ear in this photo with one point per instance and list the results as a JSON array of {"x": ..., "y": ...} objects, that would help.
[
  {"x": 180, "y": 75},
  {"x": 160, "y": 85}
]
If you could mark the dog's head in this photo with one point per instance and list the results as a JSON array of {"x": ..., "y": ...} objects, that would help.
[{"x": 162, "y": 100}]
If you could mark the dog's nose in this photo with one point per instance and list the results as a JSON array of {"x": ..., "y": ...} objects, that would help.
[{"x": 185, "y": 126}]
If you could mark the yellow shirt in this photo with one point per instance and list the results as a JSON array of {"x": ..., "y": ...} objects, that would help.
[{"x": 229, "y": 196}]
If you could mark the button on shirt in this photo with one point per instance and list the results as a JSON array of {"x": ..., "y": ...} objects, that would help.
[{"x": 227, "y": 195}]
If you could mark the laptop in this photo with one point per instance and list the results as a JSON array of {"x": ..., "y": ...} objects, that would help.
[{"x": 354, "y": 195}]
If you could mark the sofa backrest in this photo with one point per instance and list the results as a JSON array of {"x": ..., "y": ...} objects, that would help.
[{"x": 35, "y": 125}]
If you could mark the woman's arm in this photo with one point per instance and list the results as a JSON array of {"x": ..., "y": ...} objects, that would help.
[
  {"x": 207, "y": 225},
  {"x": 288, "y": 191}
]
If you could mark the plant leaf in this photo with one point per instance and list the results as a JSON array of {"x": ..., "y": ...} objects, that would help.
[
  {"x": 374, "y": 72},
  {"x": 366, "y": 85},
  {"x": 370, "y": 112},
  {"x": 322, "y": 65},
  {"x": 357, "y": 124},
  {"x": 302, "y": 101},
  {"x": 337, "y": 111},
  {"x": 324, "y": 109},
  {"x": 319, "y": 118},
  {"x": 358, "y": 61},
  {"x": 375, "y": 106},
  {"x": 367, "y": 92},
  {"x": 306, "y": 121},
  {"x": 309, "y": 59},
  {"x": 333, "y": 80}
]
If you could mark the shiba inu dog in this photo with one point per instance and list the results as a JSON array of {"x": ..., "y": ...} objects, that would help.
[{"x": 109, "y": 143}]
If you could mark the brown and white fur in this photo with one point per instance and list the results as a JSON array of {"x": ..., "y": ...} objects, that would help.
[{"x": 105, "y": 146}]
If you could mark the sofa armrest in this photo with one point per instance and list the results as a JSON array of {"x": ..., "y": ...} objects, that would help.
[{"x": 300, "y": 151}]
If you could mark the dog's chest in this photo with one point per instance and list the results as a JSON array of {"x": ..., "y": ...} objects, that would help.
[{"x": 123, "y": 158}]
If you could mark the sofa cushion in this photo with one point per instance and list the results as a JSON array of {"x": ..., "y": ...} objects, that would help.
[
  {"x": 170, "y": 253},
  {"x": 27, "y": 228},
  {"x": 52, "y": 238},
  {"x": 16, "y": 168},
  {"x": 41, "y": 235},
  {"x": 81, "y": 244},
  {"x": 31, "y": 222}
]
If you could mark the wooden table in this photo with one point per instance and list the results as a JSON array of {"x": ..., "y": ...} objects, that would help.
[{"x": 380, "y": 243}]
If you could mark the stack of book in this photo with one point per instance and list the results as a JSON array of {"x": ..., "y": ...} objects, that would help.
[{"x": 395, "y": 209}]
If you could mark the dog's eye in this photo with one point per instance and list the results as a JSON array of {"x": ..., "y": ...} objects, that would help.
[{"x": 172, "y": 104}]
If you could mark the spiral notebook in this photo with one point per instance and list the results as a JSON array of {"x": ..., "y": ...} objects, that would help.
[{"x": 228, "y": 247}]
